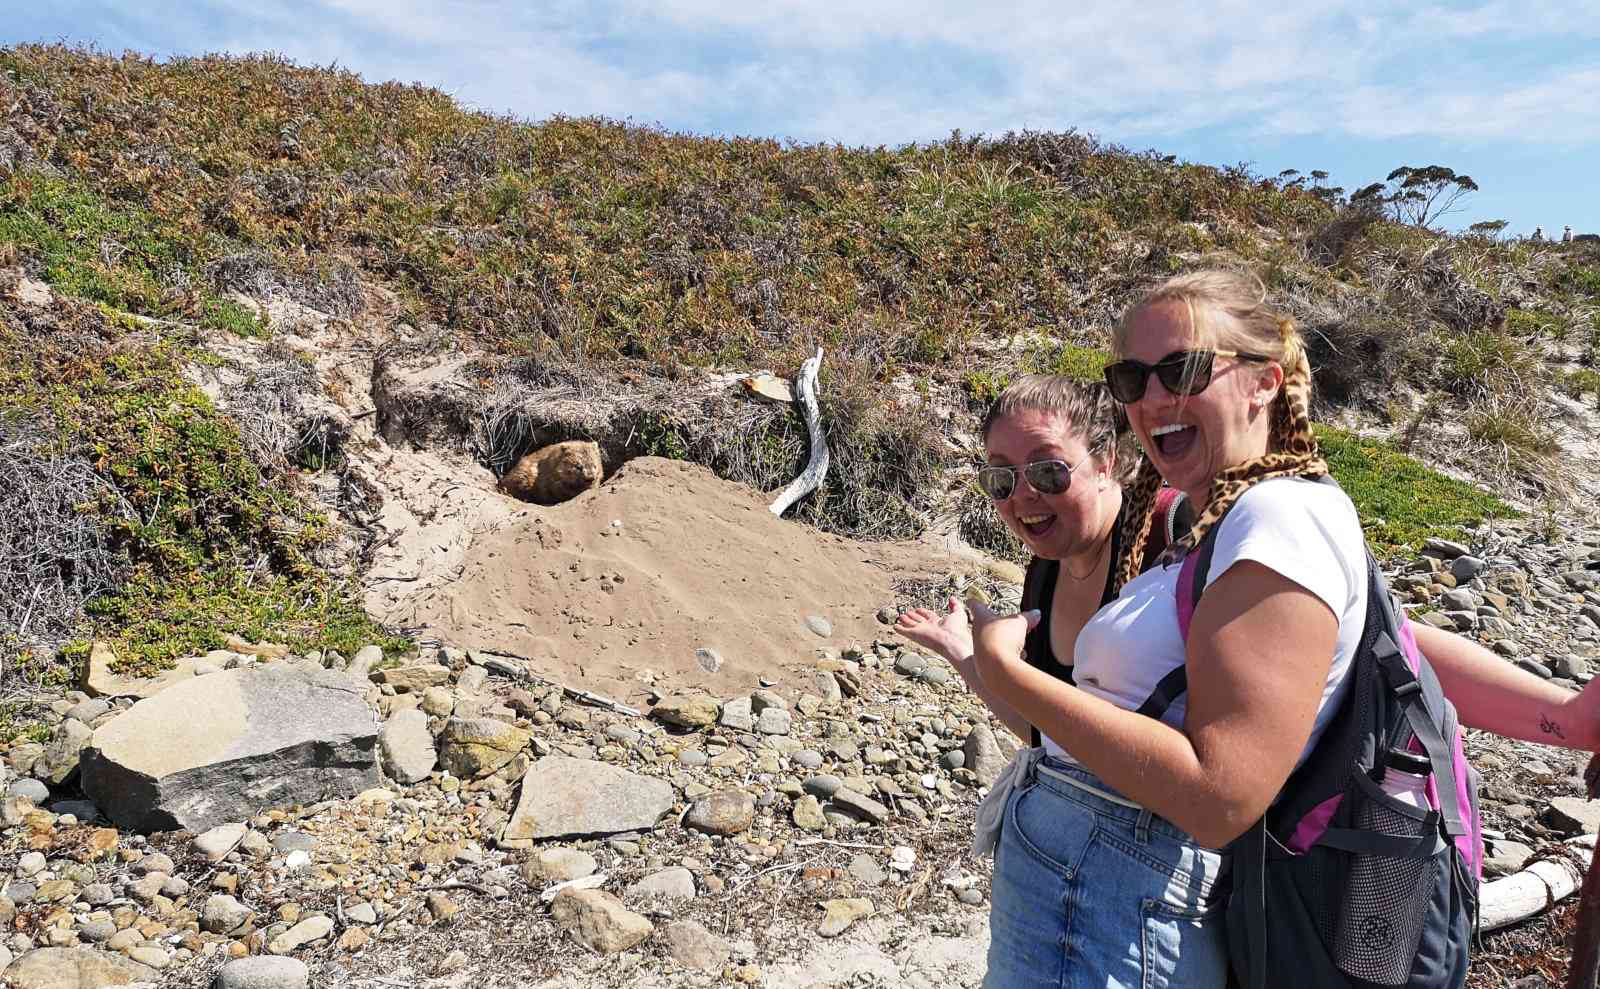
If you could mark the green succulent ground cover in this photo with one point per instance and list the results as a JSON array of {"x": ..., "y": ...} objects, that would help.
[
  {"x": 1402, "y": 502},
  {"x": 210, "y": 544},
  {"x": 156, "y": 190}
]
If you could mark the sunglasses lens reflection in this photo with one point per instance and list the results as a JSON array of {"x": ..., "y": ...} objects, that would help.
[
  {"x": 997, "y": 482},
  {"x": 1049, "y": 477},
  {"x": 1126, "y": 380}
]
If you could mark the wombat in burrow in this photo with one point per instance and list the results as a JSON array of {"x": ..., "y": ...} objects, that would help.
[{"x": 556, "y": 473}]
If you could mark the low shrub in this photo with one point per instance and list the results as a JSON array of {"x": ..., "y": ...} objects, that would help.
[{"x": 210, "y": 544}]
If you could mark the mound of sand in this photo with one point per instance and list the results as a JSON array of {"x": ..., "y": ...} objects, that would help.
[{"x": 662, "y": 560}]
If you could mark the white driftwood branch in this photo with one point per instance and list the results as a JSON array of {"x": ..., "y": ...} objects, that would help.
[
  {"x": 805, "y": 386},
  {"x": 1532, "y": 891}
]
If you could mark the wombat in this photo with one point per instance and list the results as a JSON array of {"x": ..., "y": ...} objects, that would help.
[{"x": 557, "y": 473}]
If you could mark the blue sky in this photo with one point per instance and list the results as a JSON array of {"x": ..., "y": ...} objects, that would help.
[{"x": 1507, "y": 91}]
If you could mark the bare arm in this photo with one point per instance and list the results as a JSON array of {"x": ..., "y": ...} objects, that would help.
[
  {"x": 950, "y": 636},
  {"x": 1494, "y": 695},
  {"x": 1008, "y": 715},
  {"x": 1258, "y": 655}
]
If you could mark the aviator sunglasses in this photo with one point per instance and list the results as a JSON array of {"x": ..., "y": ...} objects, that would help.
[
  {"x": 1048, "y": 477},
  {"x": 1183, "y": 372}
]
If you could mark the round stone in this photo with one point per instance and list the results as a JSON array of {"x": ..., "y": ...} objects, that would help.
[
  {"x": 291, "y": 841},
  {"x": 263, "y": 972},
  {"x": 822, "y": 785},
  {"x": 30, "y": 788},
  {"x": 622, "y": 734},
  {"x": 807, "y": 759},
  {"x": 910, "y": 664},
  {"x": 726, "y": 813},
  {"x": 97, "y": 931},
  {"x": 154, "y": 862}
]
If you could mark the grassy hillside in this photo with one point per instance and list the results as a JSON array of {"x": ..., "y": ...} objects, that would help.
[{"x": 159, "y": 197}]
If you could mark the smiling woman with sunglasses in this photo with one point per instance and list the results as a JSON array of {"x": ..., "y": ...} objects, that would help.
[
  {"x": 1100, "y": 878},
  {"x": 1053, "y": 477},
  {"x": 1057, "y": 458}
]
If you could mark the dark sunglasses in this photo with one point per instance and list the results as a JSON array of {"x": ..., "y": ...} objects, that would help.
[
  {"x": 1182, "y": 372},
  {"x": 1048, "y": 477}
]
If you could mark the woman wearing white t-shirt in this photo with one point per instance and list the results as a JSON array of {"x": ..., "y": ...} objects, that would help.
[{"x": 1105, "y": 873}]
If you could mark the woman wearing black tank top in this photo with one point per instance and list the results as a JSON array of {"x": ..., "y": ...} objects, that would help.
[{"x": 1050, "y": 432}]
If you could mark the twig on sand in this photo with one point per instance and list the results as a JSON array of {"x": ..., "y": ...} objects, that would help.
[
  {"x": 803, "y": 842},
  {"x": 458, "y": 884},
  {"x": 747, "y": 880},
  {"x": 581, "y": 696},
  {"x": 916, "y": 890},
  {"x": 587, "y": 697}
]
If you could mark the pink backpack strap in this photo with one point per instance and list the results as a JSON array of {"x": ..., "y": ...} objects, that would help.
[
  {"x": 1187, "y": 597},
  {"x": 1191, "y": 577}
]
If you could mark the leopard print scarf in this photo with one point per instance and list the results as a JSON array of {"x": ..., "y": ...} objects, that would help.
[{"x": 1294, "y": 453}]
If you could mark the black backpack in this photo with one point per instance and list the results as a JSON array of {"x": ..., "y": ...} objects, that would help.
[{"x": 1341, "y": 884}]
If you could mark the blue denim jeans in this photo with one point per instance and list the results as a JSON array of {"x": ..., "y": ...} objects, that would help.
[{"x": 1091, "y": 890}]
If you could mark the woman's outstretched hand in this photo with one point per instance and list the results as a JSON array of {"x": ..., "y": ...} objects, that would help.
[
  {"x": 948, "y": 634},
  {"x": 998, "y": 642}
]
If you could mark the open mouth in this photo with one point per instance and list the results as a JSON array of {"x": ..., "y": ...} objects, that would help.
[
  {"x": 1173, "y": 440},
  {"x": 1036, "y": 525}
]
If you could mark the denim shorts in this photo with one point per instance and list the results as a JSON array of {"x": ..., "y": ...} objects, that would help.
[{"x": 1091, "y": 890}]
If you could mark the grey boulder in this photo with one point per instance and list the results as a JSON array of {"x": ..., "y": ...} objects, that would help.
[
  {"x": 68, "y": 968},
  {"x": 563, "y": 796},
  {"x": 226, "y": 746}
]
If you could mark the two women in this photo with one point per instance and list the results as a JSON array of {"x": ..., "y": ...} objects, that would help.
[{"x": 1106, "y": 871}]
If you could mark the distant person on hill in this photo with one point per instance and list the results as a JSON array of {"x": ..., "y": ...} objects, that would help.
[
  {"x": 1566, "y": 235},
  {"x": 1056, "y": 476},
  {"x": 1538, "y": 234}
]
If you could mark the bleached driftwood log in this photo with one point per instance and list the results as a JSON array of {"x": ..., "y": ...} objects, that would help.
[
  {"x": 817, "y": 468},
  {"x": 1533, "y": 890}
]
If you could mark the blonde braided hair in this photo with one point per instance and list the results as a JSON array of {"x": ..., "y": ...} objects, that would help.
[{"x": 1227, "y": 310}]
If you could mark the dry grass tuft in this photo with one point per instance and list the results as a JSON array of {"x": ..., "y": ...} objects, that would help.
[{"x": 55, "y": 553}]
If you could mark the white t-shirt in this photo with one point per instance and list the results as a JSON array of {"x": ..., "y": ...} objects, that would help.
[{"x": 1306, "y": 531}]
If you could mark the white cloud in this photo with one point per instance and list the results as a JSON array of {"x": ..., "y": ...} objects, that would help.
[
  {"x": 887, "y": 71},
  {"x": 1559, "y": 109}
]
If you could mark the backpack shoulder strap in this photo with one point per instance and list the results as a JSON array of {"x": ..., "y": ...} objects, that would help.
[
  {"x": 1037, "y": 588},
  {"x": 1191, "y": 582},
  {"x": 1161, "y": 529},
  {"x": 1411, "y": 693}
]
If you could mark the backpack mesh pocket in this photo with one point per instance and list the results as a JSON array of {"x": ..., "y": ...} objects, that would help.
[{"x": 1386, "y": 900}]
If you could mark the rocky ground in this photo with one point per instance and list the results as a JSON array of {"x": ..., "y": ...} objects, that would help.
[{"x": 483, "y": 826}]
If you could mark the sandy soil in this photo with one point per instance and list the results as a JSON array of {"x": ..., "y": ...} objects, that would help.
[{"x": 608, "y": 585}]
